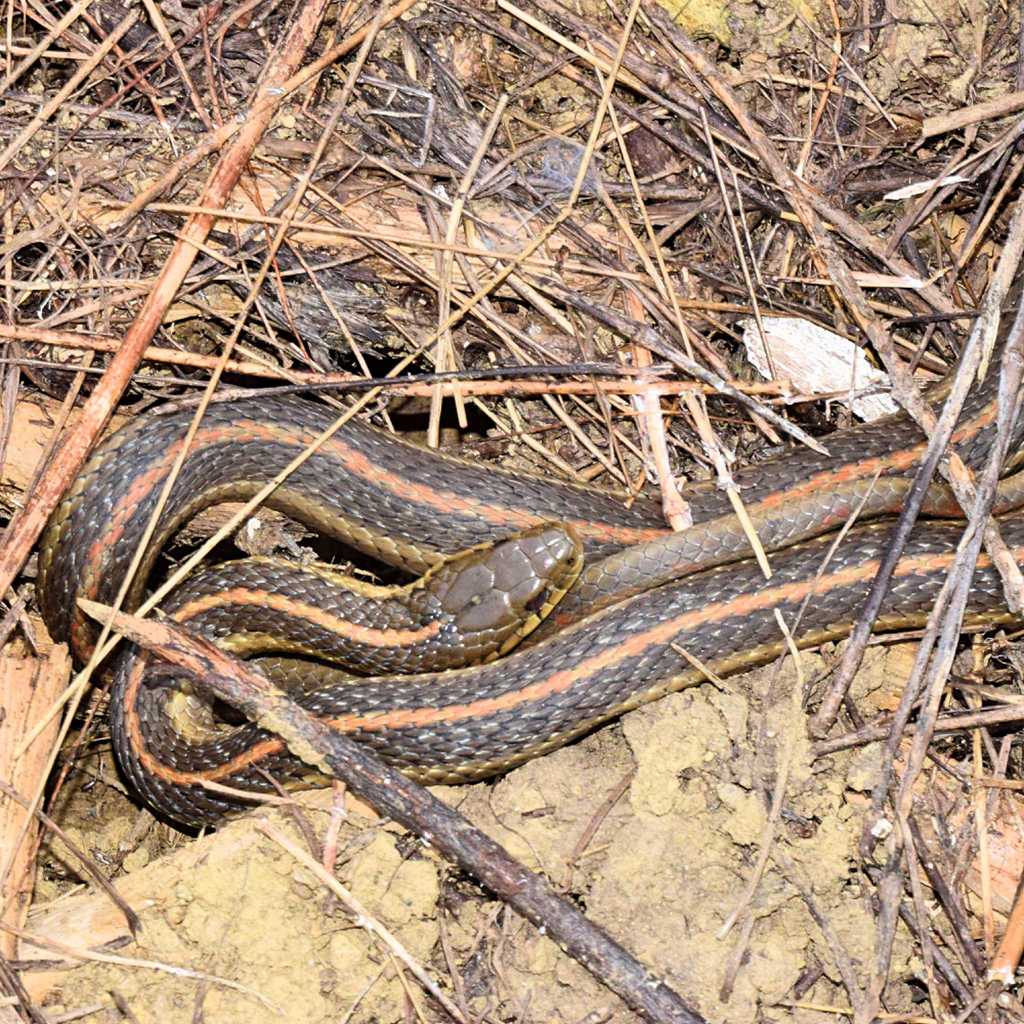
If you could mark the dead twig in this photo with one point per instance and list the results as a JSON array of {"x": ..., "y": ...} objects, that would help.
[
  {"x": 394, "y": 796},
  {"x": 941, "y": 434},
  {"x": 25, "y": 528}
]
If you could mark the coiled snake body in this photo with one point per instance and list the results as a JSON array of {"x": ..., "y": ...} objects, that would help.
[{"x": 616, "y": 640}]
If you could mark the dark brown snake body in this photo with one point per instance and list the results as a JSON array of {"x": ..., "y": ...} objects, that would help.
[{"x": 614, "y": 643}]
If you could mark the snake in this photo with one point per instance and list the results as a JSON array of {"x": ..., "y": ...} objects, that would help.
[{"x": 622, "y": 610}]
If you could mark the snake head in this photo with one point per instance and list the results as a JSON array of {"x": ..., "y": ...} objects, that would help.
[{"x": 498, "y": 593}]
